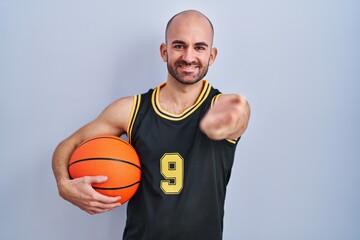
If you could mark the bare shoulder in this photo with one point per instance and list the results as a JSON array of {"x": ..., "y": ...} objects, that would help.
[
  {"x": 112, "y": 120},
  {"x": 116, "y": 115},
  {"x": 121, "y": 104}
]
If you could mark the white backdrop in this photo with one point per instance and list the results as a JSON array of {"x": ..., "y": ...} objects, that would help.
[{"x": 296, "y": 174}]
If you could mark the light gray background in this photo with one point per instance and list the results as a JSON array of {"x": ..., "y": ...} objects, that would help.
[{"x": 296, "y": 174}]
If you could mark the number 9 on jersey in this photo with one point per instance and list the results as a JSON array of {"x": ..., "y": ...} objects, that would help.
[{"x": 172, "y": 169}]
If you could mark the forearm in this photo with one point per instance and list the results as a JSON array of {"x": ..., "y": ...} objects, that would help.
[
  {"x": 65, "y": 148},
  {"x": 60, "y": 160},
  {"x": 79, "y": 191}
]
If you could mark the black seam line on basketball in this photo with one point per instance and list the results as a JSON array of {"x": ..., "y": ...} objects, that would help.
[
  {"x": 117, "y": 188},
  {"x": 104, "y": 159}
]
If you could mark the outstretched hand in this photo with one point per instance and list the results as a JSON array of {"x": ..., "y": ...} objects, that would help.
[
  {"x": 80, "y": 192},
  {"x": 227, "y": 118}
]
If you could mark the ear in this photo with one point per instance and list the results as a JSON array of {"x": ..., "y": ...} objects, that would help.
[
  {"x": 213, "y": 55},
  {"x": 163, "y": 52}
]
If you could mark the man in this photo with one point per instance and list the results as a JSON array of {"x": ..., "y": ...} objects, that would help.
[{"x": 185, "y": 133}]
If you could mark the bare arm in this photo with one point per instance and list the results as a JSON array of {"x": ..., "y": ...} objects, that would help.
[
  {"x": 227, "y": 119},
  {"x": 113, "y": 120}
]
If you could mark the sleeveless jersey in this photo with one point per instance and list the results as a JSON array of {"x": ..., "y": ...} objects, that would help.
[{"x": 184, "y": 173}]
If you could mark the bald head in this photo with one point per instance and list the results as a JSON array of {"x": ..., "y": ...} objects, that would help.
[
  {"x": 188, "y": 50},
  {"x": 192, "y": 16}
]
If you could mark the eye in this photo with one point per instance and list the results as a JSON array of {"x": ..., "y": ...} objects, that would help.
[
  {"x": 179, "y": 46},
  {"x": 200, "y": 48}
]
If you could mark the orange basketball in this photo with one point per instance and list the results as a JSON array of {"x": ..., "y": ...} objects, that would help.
[{"x": 109, "y": 156}]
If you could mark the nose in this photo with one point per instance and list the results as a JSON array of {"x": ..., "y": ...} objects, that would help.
[{"x": 188, "y": 55}]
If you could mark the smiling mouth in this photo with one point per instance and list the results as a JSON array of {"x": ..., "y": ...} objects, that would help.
[{"x": 187, "y": 66}]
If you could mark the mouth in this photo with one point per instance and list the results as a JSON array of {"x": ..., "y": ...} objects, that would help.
[{"x": 187, "y": 66}]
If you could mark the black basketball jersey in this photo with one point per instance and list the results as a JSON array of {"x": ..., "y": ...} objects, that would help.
[{"x": 184, "y": 173}]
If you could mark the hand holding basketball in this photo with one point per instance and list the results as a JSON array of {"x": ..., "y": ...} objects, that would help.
[
  {"x": 109, "y": 156},
  {"x": 79, "y": 192}
]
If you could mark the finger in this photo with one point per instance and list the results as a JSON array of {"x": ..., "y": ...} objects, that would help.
[
  {"x": 105, "y": 206},
  {"x": 98, "y": 207},
  {"x": 96, "y": 211},
  {"x": 98, "y": 196},
  {"x": 104, "y": 199},
  {"x": 95, "y": 179},
  {"x": 94, "y": 207}
]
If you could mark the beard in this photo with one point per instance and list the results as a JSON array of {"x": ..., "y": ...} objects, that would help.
[{"x": 187, "y": 77}]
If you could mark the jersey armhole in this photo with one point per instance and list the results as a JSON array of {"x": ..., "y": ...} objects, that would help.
[
  {"x": 232, "y": 141},
  {"x": 133, "y": 114}
]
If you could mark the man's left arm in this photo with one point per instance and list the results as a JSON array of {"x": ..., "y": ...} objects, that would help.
[{"x": 228, "y": 118}]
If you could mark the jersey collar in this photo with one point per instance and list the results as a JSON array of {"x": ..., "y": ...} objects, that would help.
[{"x": 177, "y": 117}]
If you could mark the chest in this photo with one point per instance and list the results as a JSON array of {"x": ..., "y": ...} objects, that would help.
[{"x": 158, "y": 135}]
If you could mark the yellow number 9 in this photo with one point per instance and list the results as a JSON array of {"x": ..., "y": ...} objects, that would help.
[{"x": 172, "y": 169}]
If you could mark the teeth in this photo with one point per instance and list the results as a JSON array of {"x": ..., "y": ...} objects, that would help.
[{"x": 187, "y": 66}]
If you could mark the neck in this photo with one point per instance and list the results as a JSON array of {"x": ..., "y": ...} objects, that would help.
[{"x": 175, "y": 97}]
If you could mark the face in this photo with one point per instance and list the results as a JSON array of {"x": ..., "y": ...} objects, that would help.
[{"x": 188, "y": 50}]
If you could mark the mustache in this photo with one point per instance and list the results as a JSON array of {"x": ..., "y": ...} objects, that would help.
[{"x": 184, "y": 63}]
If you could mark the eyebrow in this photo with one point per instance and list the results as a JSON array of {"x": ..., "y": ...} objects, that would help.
[
  {"x": 178, "y": 42},
  {"x": 202, "y": 44},
  {"x": 196, "y": 44}
]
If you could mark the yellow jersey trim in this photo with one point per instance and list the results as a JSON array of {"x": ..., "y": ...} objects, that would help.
[
  {"x": 233, "y": 141},
  {"x": 215, "y": 98},
  {"x": 133, "y": 114},
  {"x": 177, "y": 117}
]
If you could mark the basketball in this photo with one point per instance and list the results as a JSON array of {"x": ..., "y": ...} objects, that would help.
[{"x": 109, "y": 156}]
